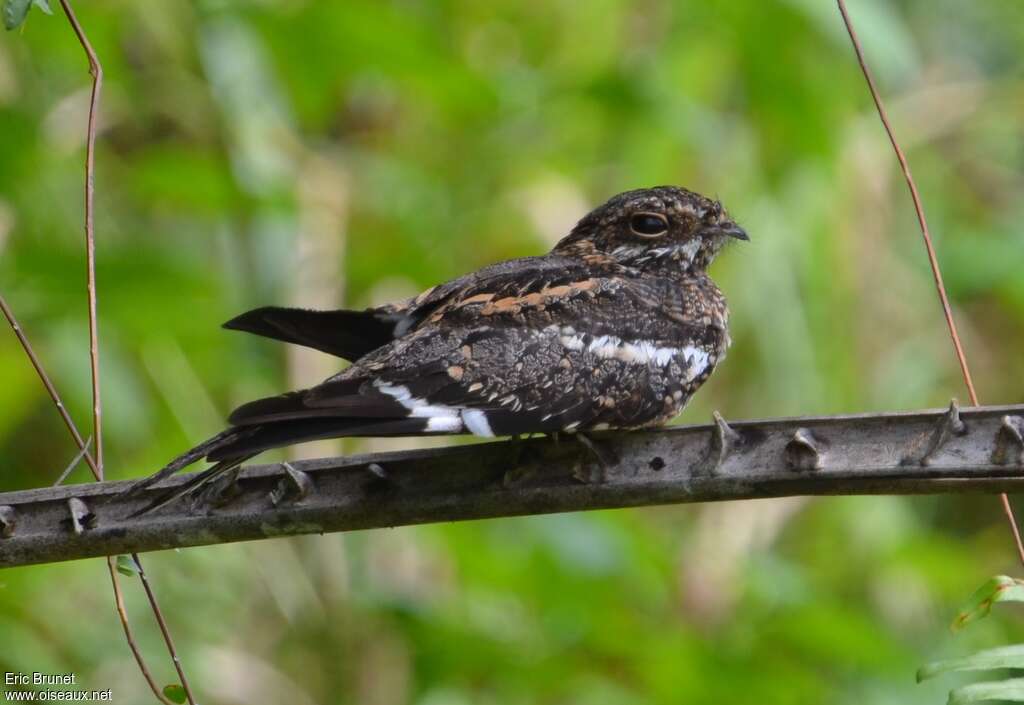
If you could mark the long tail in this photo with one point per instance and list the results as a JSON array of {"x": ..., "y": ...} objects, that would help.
[
  {"x": 230, "y": 448},
  {"x": 187, "y": 458},
  {"x": 189, "y": 488},
  {"x": 204, "y": 449}
]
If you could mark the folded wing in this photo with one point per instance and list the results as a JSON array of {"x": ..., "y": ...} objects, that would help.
[{"x": 352, "y": 334}]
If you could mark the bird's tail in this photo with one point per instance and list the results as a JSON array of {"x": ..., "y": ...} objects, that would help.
[
  {"x": 187, "y": 458},
  {"x": 204, "y": 449},
  {"x": 230, "y": 448}
]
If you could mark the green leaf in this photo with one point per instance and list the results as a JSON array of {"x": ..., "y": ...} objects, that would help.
[
  {"x": 126, "y": 566},
  {"x": 43, "y": 5},
  {"x": 15, "y": 12},
  {"x": 1003, "y": 657},
  {"x": 1001, "y": 588},
  {"x": 1011, "y": 689},
  {"x": 175, "y": 693}
]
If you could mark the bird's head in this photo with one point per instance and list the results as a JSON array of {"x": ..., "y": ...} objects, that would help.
[{"x": 664, "y": 226}]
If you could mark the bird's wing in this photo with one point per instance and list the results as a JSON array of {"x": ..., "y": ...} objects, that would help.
[{"x": 352, "y": 334}]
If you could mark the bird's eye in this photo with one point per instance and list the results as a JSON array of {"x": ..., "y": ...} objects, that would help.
[{"x": 648, "y": 224}]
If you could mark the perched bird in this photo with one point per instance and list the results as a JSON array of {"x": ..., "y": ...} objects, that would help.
[{"x": 615, "y": 328}]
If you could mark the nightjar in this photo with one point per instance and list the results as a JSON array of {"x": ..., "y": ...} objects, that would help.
[{"x": 615, "y": 328}]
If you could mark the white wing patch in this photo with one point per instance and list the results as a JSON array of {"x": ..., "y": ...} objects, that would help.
[
  {"x": 444, "y": 424},
  {"x": 476, "y": 422},
  {"x": 418, "y": 408},
  {"x": 440, "y": 418}
]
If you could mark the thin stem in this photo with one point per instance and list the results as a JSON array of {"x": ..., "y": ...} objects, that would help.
[
  {"x": 50, "y": 389},
  {"x": 96, "y": 463},
  {"x": 83, "y": 447},
  {"x": 926, "y": 235},
  {"x": 74, "y": 463},
  {"x": 123, "y": 614},
  {"x": 164, "y": 631},
  {"x": 90, "y": 245}
]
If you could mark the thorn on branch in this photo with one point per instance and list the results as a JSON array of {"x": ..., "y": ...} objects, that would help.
[
  {"x": 517, "y": 475},
  {"x": 923, "y": 450},
  {"x": 294, "y": 486},
  {"x": 82, "y": 519},
  {"x": 1009, "y": 448},
  {"x": 723, "y": 441},
  {"x": 804, "y": 451},
  {"x": 379, "y": 479},
  {"x": 8, "y": 521},
  {"x": 604, "y": 460}
]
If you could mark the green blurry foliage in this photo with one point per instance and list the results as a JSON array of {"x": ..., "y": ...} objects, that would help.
[
  {"x": 15, "y": 11},
  {"x": 344, "y": 153},
  {"x": 1000, "y": 588},
  {"x": 175, "y": 693}
]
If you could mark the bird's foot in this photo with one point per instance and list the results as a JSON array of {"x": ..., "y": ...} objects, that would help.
[
  {"x": 218, "y": 492},
  {"x": 527, "y": 460},
  {"x": 604, "y": 459}
]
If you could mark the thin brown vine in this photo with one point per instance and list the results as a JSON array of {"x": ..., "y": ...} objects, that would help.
[{"x": 929, "y": 247}]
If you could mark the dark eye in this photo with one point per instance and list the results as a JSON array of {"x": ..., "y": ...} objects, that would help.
[{"x": 648, "y": 224}]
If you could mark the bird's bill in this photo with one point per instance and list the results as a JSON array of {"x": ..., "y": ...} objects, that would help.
[{"x": 733, "y": 230}]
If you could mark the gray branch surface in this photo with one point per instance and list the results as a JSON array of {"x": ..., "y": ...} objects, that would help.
[{"x": 937, "y": 451}]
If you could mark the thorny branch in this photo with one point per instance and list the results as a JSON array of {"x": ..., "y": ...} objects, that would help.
[
  {"x": 978, "y": 450},
  {"x": 932, "y": 259}
]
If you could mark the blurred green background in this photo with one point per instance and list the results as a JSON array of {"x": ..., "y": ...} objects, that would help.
[{"x": 348, "y": 153}]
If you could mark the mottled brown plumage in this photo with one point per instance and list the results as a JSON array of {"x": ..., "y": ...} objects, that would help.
[{"x": 615, "y": 328}]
